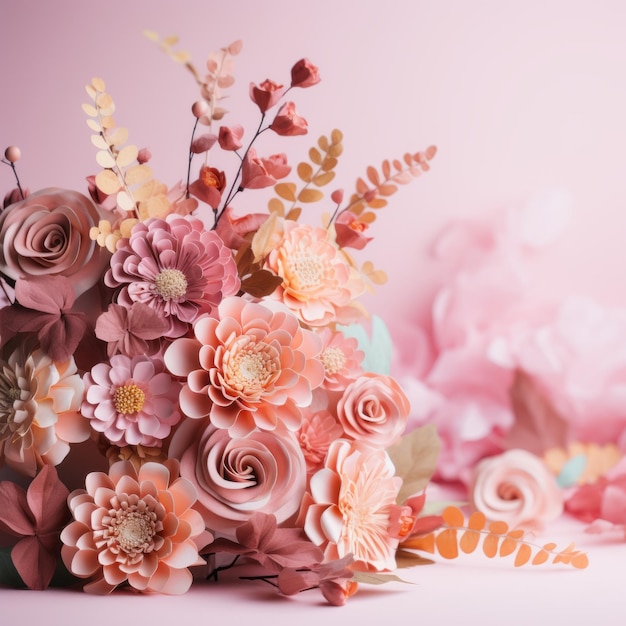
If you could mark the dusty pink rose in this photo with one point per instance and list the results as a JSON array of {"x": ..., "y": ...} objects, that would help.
[
  {"x": 341, "y": 358},
  {"x": 131, "y": 400},
  {"x": 349, "y": 508},
  {"x": 39, "y": 410},
  {"x": 254, "y": 173},
  {"x": 373, "y": 410},
  {"x": 318, "y": 285},
  {"x": 276, "y": 165},
  {"x": 134, "y": 526},
  {"x": 288, "y": 123},
  {"x": 175, "y": 266},
  {"x": 350, "y": 231},
  {"x": 229, "y": 137},
  {"x": 516, "y": 487},
  {"x": 235, "y": 477},
  {"x": 48, "y": 234},
  {"x": 304, "y": 74},
  {"x": 266, "y": 95},
  {"x": 247, "y": 367}
]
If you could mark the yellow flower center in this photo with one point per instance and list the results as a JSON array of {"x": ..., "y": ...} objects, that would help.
[
  {"x": 129, "y": 399},
  {"x": 131, "y": 529},
  {"x": 333, "y": 359},
  {"x": 251, "y": 367},
  {"x": 307, "y": 270},
  {"x": 171, "y": 284}
]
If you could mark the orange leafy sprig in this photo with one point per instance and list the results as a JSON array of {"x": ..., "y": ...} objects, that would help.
[
  {"x": 456, "y": 535},
  {"x": 317, "y": 173},
  {"x": 384, "y": 183}
]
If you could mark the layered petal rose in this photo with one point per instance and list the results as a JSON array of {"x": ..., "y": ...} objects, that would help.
[
  {"x": 39, "y": 410},
  {"x": 516, "y": 487},
  {"x": 373, "y": 410},
  {"x": 235, "y": 477},
  {"x": 132, "y": 401},
  {"x": 47, "y": 234},
  {"x": 135, "y": 526},
  {"x": 318, "y": 285},
  {"x": 349, "y": 507},
  {"x": 249, "y": 367},
  {"x": 175, "y": 266}
]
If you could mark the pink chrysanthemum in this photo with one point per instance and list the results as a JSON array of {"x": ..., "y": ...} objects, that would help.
[
  {"x": 249, "y": 367},
  {"x": 318, "y": 284},
  {"x": 317, "y": 432},
  {"x": 134, "y": 526},
  {"x": 349, "y": 506},
  {"x": 132, "y": 401},
  {"x": 177, "y": 267},
  {"x": 341, "y": 358},
  {"x": 39, "y": 410}
]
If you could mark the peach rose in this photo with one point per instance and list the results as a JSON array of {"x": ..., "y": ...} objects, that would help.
[
  {"x": 516, "y": 487},
  {"x": 48, "y": 234},
  {"x": 374, "y": 410},
  {"x": 236, "y": 477}
]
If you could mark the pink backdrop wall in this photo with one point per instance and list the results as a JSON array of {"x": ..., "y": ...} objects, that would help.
[{"x": 519, "y": 98}]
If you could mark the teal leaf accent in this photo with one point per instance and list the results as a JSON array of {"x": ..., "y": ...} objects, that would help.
[{"x": 378, "y": 348}]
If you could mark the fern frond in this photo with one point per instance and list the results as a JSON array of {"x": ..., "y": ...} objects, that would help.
[{"x": 458, "y": 535}]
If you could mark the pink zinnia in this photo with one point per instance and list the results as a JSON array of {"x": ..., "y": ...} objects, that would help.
[
  {"x": 175, "y": 266},
  {"x": 249, "y": 367},
  {"x": 133, "y": 401}
]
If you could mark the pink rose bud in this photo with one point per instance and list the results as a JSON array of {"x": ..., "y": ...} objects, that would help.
[
  {"x": 254, "y": 174},
  {"x": 351, "y": 231},
  {"x": 229, "y": 137},
  {"x": 266, "y": 95},
  {"x": 276, "y": 165},
  {"x": 304, "y": 74},
  {"x": 288, "y": 123},
  {"x": 143, "y": 156},
  {"x": 200, "y": 108}
]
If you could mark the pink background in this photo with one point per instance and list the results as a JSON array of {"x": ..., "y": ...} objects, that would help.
[{"x": 519, "y": 97}]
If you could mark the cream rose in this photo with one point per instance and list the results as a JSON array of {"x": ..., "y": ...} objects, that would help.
[
  {"x": 373, "y": 409},
  {"x": 516, "y": 487},
  {"x": 235, "y": 477},
  {"x": 48, "y": 234}
]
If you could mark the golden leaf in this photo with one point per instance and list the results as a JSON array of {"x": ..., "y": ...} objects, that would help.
[
  {"x": 386, "y": 169},
  {"x": 523, "y": 554},
  {"x": 387, "y": 190},
  {"x": 276, "y": 206},
  {"x": 99, "y": 142},
  {"x": 329, "y": 163},
  {"x": 404, "y": 558},
  {"x": 294, "y": 214},
  {"x": 126, "y": 156},
  {"x": 287, "y": 191},
  {"x": 335, "y": 151},
  {"x": 107, "y": 122},
  {"x": 372, "y": 174},
  {"x": 323, "y": 179},
  {"x": 107, "y": 182},
  {"x": 322, "y": 142},
  {"x": 125, "y": 202},
  {"x": 98, "y": 84},
  {"x": 261, "y": 283},
  {"x": 336, "y": 136},
  {"x": 91, "y": 92},
  {"x": 305, "y": 172},
  {"x": 377, "y": 203},
  {"x": 378, "y": 277},
  {"x": 315, "y": 156},
  {"x": 105, "y": 159},
  {"x": 138, "y": 174},
  {"x": 118, "y": 137},
  {"x": 90, "y": 110},
  {"x": 310, "y": 195}
]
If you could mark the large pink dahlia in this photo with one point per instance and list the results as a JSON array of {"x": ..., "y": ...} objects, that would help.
[
  {"x": 133, "y": 526},
  {"x": 177, "y": 267},
  {"x": 249, "y": 367},
  {"x": 133, "y": 401}
]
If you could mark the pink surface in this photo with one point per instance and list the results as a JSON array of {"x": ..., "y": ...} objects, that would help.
[{"x": 519, "y": 98}]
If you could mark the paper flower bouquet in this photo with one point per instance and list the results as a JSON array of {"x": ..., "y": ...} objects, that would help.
[{"x": 218, "y": 364}]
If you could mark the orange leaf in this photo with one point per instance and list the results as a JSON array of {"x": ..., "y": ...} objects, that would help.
[
  {"x": 446, "y": 542},
  {"x": 508, "y": 546},
  {"x": 377, "y": 203},
  {"x": 518, "y": 534},
  {"x": 469, "y": 541},
  {"x": 541, "y": 557},
  {"x": 305, "y": 172},
  {"x": 476, "y": 521},
  {"x": 523, "y": 554},
  {"x": 426, "y": 543},
  {"x": 372, "y": 174},
  {"x": 276, "y": 206},
  {"x": 315, "y": 156},
  {"x": 386, "y": 169},
  {"x": 580, "y": 561},
  {"x": 287, "y": 191},
  {"x": 490, "y": 546},
  {"x": 310, "y": 195},
  {"x": 453, "y": 516},
  {"x": 498, "y": 528}
]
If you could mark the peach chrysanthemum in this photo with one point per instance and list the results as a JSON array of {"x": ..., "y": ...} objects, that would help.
[
  {"x": 348, "y": 508},
  {"x": 341, "y": 358},
  {"x": 249, "y": 367},
  {"x": 39, "y": 410},
  {"x": 318, "y": 285},
  {"x": 135, "y": 526}
]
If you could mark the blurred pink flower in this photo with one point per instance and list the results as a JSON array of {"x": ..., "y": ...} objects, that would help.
[
  {"x": 287, "y": 122},
  {"x": 516, "y": 487},
  {"x": 248, "y": 367},
  {"x": 131, "y": 330},
  {"x": 304, "y": 74},
  {"x": 235, "y": 477},
  {"x": 135, "y": 526},
  {"x": 266, "y": 95},
  {"x": 132, "y": 401},
  {"x": 318, "y": 430},
  {"x": 37, "y": 517},
  {"x": 45, "y": 309},
  {"x": 254, "y": 173},
  {"x": 341, "y": 358},
  {"x": 39, "y": 410},
  {"x": 175, "y": 266},
  {"x": 229, "y": 137},
  {"x": 349, "y": 506},
  {"x": 233, "y": 229},
  {"x": 47, "y": 234},
  {"x": 276, "y": 165},
  {"x": 373, "y": 410},
  {"x": 318, "y": 284},
  {"x": 350, "y": 231}
]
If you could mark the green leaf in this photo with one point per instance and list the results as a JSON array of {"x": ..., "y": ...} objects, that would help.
[
  {"x": 415, "y": 458},
  {"x": 373, "y": 578}
]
